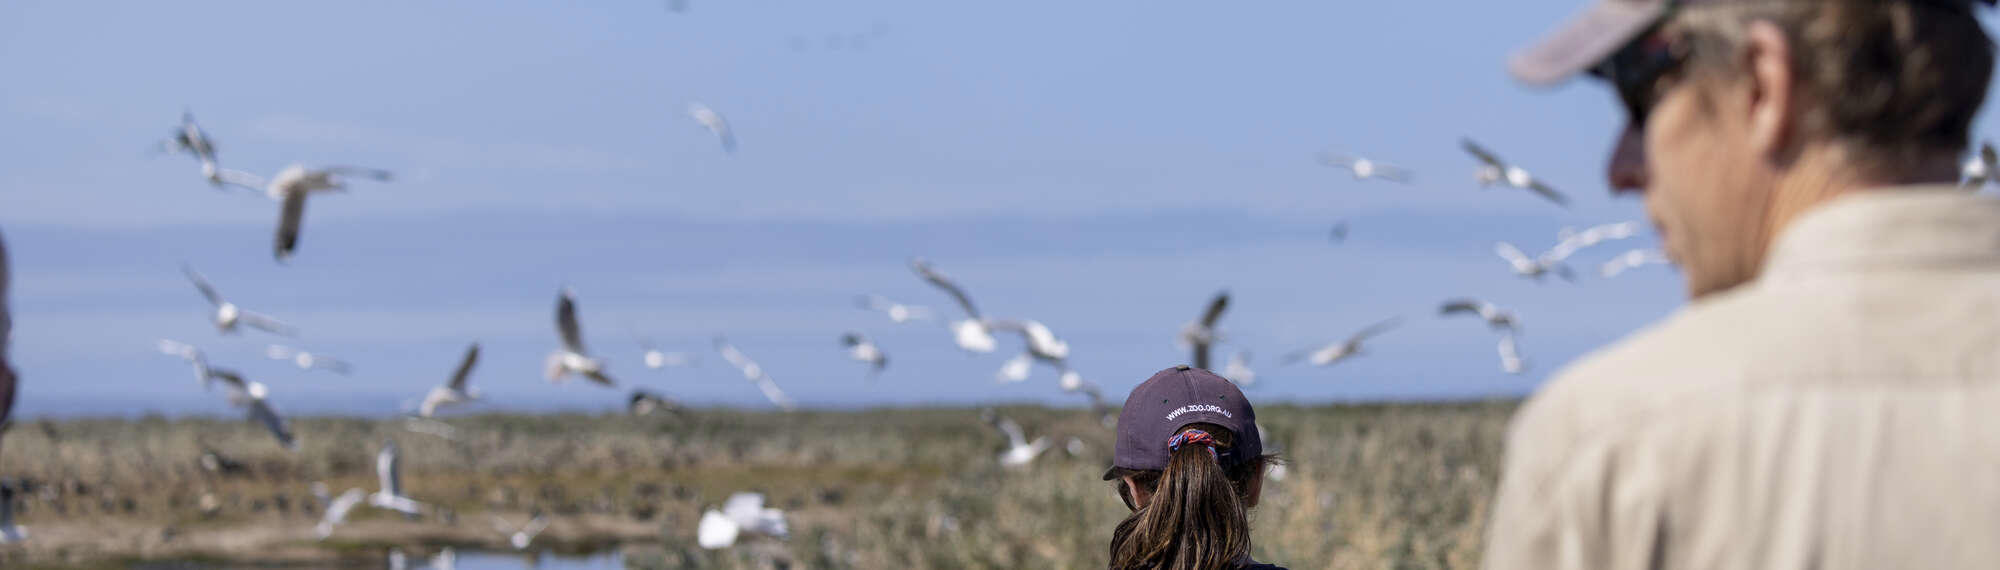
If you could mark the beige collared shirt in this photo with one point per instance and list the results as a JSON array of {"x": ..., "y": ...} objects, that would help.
[{"x": 1840, "y": 412}]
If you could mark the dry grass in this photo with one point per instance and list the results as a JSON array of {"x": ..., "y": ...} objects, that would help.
[{"x": 1401, "y": 486}]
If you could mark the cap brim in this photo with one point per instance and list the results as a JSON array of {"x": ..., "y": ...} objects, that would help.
[
  {"x": 1111, "y": 473},
  {"x": 1589, "y": 38}
]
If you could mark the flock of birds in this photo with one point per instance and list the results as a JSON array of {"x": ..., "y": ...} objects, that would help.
[{"x": 969, "y": 329}]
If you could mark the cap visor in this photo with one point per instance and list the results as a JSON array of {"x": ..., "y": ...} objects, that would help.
[{"x": 1589, "y": 38}]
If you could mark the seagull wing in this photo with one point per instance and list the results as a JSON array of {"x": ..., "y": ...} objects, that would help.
[
  {"x": 388, "y": 470},
  {"x": 1394, "y": 173},
  {"x": 600, "y": 377},
  {"x": 1012, "y": 430},
  {"x": 336, "y": 510},
  {"x": 267, "y": 324},
  {"x": 938, "y": 280},
  {"x": 1510, "y": 355},
  {"x": 1456, "y": 306},
  {"x": 465, "y": 368},
  {"x": 261, "y": 412},
  {"x": 572, "y": 335},
  {"x": 359, "y": 172},
  {"x": 1375, "y": 329},
  {"x": 535, "y": 525},
  {"x": 1481, "y": 153},
  {"x": 1215, "y": 308},
  {"x": 777, "y": 396},
  {"x": 230, "y": 379},
  {"x": 1512, "y": 254},
  {"x": 334, "y": 365},
  {"x": 238, "y": 178},
  {"x": 291, "y": 215},
  {"x": 201, "y": 283},
  {"x": 851, "y": 339},
  {"x": 1551, "y": 194}
]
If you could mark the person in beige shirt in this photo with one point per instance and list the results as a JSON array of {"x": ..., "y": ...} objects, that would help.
[{"x": 1830, "y": 396}]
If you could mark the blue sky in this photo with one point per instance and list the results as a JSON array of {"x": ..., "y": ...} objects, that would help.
[{"x": 1102, "y": 166}]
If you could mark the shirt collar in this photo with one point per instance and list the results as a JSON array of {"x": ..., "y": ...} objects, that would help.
[{"x": 1916, "y": 226}]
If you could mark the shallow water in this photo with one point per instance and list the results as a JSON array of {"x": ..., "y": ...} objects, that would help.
[{"x": 544, "y": 560}]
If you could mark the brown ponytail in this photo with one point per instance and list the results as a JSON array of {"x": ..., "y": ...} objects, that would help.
[{"x": 1198, "y": 516}]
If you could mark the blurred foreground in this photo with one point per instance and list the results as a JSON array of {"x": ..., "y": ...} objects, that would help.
[{"x": 1372, "y": 486}]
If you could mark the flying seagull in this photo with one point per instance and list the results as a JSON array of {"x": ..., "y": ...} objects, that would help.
[
  {"x": 1534, "y": 268},
  {"x": 1338, "y": 234},
  {"x": 520, "y": 536},
  {"x": 1631, "y": 260},
  {"x": 1341, "y": 350},
  {"x": 898, "y": 313},
  {"x": 571, "y": 358},
  {"x": 1020, "y": 452},
  {"x": 388, "y": 471},
  {"x": 1981, "y": 168},
  {"x": 861, "y": 349},
  {"x": 306, "y": 360},
  {"x": 1364, "y": 169},
  {"x": 1496, "y": 317},
  {"x": 193, "y": 356},
  {"x": 1495, "y": 171},
  {"x": 250, "y": 396},
  {"x": 972, "y": 333},
  {"x": 1238, "y": 370},
  {"x": 188, "y": 138},
  {"x": 656, "y": 359},
  {"x": 714, "y": 122},
  {"x": 1015, "y": 369},
  {"x": 335, "y": 508},
  {"x": 291, "y": 187},
  {"x": 1042, "y": 346},
  {"x": 227, "y": 315},
  {"x": 1200, "y": 334},
  {"x": 755, "y": 374},
  {"x": 455, "y": 390},
  {"x": 643, "y": 402},
  {"x": 742, "y": 513},
  {"x": 1569, "y": 240}
]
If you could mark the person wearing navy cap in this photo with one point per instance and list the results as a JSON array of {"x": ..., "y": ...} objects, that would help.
[{"x": 1190, "y": 464}]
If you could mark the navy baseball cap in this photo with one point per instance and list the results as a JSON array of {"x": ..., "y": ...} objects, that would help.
[
  {"x": 1607, "y": 25},
  {"x": 1169, "y": 401}
]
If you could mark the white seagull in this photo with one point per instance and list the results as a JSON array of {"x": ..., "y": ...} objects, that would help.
[
  {"x": 571, "y": 358},
  {"x": 1535, "y": 268},
  {"x": 1493, "y": 171},
  {"x": 1238, "y": 370},
  {"x": 250, "y": 396},
  {"x": 1200, "y": 334},
  {"x": 1020, "y": 452},
  {"x": 390, "y": 494},
  {"x": 306, "y": 360},
  {"x": 1631, "y": 260},
  {"x": 898, "y": 313},
  {"x": 1496, "y": 317},
  {"x": 1042, "y": 345},
  {"x": 335, "y": 508},
  {"x": 227, "y": 315},
  {"x": 755, "y": 374},
  {"x": 1364, "y": 169},
  {"x": 520, "y": 536},
  {"x": 742, "y": 513},
  {"x": 1981, "y": 168},
  {"x": 291, "y": 187},
  {"x": 191, "y": 354},
  {"x": 861, "y": 349},
  {"x": 714, "y": 122},
  {"x": 1344, "y": 349},
  {"x": 971, "y": 334},
  {"x": 455, "y": 390}
]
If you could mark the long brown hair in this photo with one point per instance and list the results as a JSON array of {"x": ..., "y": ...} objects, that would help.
[{"x": 1198, "y": 516}]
